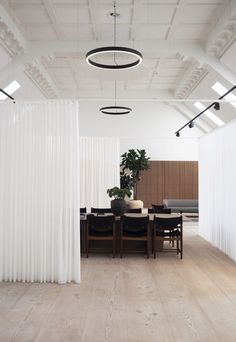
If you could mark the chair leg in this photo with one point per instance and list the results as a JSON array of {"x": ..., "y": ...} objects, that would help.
[
  {"x": 148, "y": 247},
  {"x": 154, "y": 246},
  {"x": 181, "y": 250},
  {"x": 87, "y": 246},
  {"x": 114, "y": 247},
  {"x": 178, "y": 249},
  {"x": 121, "y": 247}
]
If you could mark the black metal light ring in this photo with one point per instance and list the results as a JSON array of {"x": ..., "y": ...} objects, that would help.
[
  {"x": 108, "y": 49},
  {"x": 119, "y": 110}
]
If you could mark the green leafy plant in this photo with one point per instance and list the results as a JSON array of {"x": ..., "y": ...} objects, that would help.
[
  {"x": 132, "y": 163},
  {"x": 118, "y": 193}
]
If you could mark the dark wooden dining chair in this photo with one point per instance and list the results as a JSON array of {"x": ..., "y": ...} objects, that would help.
[
  {"x": 159, "y": 211},
  {"x": 100, "y": 210},
  {"x": 83, "y": 210},
  {"x": 135, "y": 229},
  {"x": 101, "y": 228},
  {"x": 158, "y": 206},
  {"x": 168, "y": 229},
  {"x": 134, "y": 210}
]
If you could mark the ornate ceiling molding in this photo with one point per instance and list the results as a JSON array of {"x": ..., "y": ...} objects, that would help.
[
  {"x": 224, "y": 38},
  {"x": 40, "y": 78},
  {"x": 10, "y": 36},
  {"x": 9, "y": 40},
  {"x": 192, "y": 77}
]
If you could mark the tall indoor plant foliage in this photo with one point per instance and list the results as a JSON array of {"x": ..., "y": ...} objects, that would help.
[{"x": 132, "y": 163}]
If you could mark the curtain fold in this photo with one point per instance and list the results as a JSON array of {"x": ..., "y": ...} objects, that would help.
[
  {"x": 217, "y": 188},
  {"x": 99, "y": 170},
  {"x": 39, "y": 197}
]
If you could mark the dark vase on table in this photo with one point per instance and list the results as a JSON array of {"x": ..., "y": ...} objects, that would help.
[{"x": 118, "y": 206}]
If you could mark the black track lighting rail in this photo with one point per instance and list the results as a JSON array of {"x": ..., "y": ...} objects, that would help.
[
  {"x": 214, "y": 104},
  {"x": 10, "y": 97}
]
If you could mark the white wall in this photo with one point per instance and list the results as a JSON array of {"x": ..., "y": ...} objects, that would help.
[
  {"x": 151, "y": 125},
  {"x": 217, "y": 188}
]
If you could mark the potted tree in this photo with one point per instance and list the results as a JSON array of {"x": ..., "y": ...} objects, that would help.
[
  {"x": 132, "y": 163},
  {"x": 118, "y": 204}
]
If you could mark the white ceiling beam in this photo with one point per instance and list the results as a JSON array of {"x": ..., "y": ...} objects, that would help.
[
  {"x": 124, "y": 95},
  {"x": 150, "y": 48},
  {"x": 218, "y": 66},
  {"x": 136, "y": 16},
  {"x": 93, "y": 6},
  {"x": 154, "y": 73},
  {"x": 73, "y": 71},
  {"x": 53, "y": 17},
  {"x": 176, "y": 20}
]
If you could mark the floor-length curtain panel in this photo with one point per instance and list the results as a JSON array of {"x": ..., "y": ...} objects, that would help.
[
  {"x": 99, "y": 170},
  {"x": 217, "y": 188},
  {"x": 39, "y": 196}
]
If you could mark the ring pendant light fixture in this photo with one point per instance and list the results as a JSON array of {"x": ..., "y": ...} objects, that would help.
[
  {"x": 115, "y": 50},
  {"x": 115, "y": 110}
]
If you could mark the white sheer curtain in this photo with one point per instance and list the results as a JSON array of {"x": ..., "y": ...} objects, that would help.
[
  {"x": 217, "y": 188},
  {"x": 99, "y": 170},
  {"x": 39, "y": 192}
]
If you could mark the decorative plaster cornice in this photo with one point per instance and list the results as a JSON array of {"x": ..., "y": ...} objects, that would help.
[
  {"x": 191, "y": 79},
  {"x": 224, "y": 38},
  {"x": 40, "y": 78},
  {"x": 9, "y": 40}
]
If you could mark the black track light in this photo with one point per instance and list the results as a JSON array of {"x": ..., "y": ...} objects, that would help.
[
  {"x": 10, "y": 97},
  {"x": 216, "y": 106},
  {"x": 191, "y": 124}
]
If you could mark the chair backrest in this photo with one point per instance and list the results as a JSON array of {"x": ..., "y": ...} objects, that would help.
[
  {"x": 100, "y": 224},
  {"x": 83, "y": 210},
  {"x": 135, "y": 225},
  {"x": 158, "y": 206},
  {"x": 168, "y": 223},
  {"x": 159, "y": 211},
  {"x": 100, "y": 210},
  {"x": 134, "y": 210}
]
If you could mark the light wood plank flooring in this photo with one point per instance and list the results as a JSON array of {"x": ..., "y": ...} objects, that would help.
[{"x": 130, "y": 300}]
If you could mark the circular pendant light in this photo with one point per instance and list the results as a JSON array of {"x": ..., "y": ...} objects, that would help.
[
  {"x": 115, "y": 110},
  {"x": 116, "y": 51}
]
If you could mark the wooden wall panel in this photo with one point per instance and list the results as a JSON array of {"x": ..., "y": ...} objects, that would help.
[{"x": 168, "y": 179}]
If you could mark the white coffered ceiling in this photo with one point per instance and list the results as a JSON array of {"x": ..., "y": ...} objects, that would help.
[{"x": 182, "y": 41}]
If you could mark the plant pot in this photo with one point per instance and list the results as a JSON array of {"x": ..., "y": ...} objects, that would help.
[
  {"x": 135, "y": 204},
  {"x": 118, "y": 207}
]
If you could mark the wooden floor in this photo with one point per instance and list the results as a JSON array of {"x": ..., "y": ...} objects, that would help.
[{"x": 130, "y": 300}]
